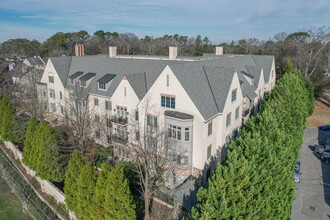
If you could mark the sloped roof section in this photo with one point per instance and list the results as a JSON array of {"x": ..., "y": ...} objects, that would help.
[
  {"x": 62, "y": 67},
  {"x": 87, "y": 76},
  {"x": 266, "y": 62},
  {"x": 254, "y": 71},
  {"x": 138, "y": 81},
  {"x": 106, "y": 78},
  {"x": 247, "y": 89},
  {"x": 193, "y": 79},
  {"x": 220, "y": 79},
  {"x": 76, "y": 75}
]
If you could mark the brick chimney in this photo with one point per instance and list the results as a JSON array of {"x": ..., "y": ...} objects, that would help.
[
  {"x": 173, "y": 53},
  {"x": 79, "y": 50},
  {"x": 112, "y": 52},
  {"x": 218, "y": 50}
]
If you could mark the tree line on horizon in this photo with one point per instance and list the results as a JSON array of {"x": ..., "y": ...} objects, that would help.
[{"x": 307, "y": 49}]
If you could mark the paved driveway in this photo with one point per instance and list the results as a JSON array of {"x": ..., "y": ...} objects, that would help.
[{"x": 313, "y": 191}]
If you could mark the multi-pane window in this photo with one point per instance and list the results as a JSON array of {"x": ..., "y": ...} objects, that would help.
[
  {"x": 83, "y": 83},
  {"x": 186, "y": 158},
  {"x": 209, "y": 149},
  {"x": 108, "y": 105},
  {"x": 97, "y": 118},
  {"x": 151, "y": 121},
  {"x": 174, "y": 132},
  {"x": 102, "y": 85},
  {"x": 51, "y": 79},
  {"x": 60, "y": 95},
  {"x": 96, "y": 102},
  {"x": 52, "y": 107},
  {"x": 137, "y": 135},
  {"x": 228, "y": 120},
  {"x": 44, "y": 93},
  {"x": 62, "y": 110},
  {"x": 168, "y": 101},
  {"x": 51, "y": 93},
  {"x": 152, "y": 144},
  {"x": 121, "y": 112},
  {"x": 136, "y": 116},
  {"x": 233, "y": 95},
  {"x": 209, "y": 129},
  {"x": 109, "y": 139},
  {"x": 186, "y": 134},
  {"x": 237, "y": 113},
  {"x": 71, "y": 81},
  {"x": 109, "y": 125}
]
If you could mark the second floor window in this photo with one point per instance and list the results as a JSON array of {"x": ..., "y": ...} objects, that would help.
[
  {"x": 96, "y": 102},
  {"x": 168, "y": 102},
  {"x": 51, "y": 93},
  {"x": 151, "y": 121},
  {"x": 209, "y": 151},
  {"x": 209, "y": 129},
  {"x": 108, "y": 105},
  {"x": 52, "y": 107},
  {"x": 97, "y": 118},
  {"x": 51, "y": 79},
  {"x": 186, "y": 134},
  {"x": 228, "y": 120},
  {"x": 109, "y": 123},
  {"x": 121, "y": 112},
  {"x": 174, "y": 132},
  {"x": 136, "y": 116},
  {"x": 237, "y": 113}
]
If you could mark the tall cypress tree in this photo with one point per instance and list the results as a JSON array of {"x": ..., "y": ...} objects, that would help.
[
  {"x": 98, "y": 206},
  {"x": 48, "y": 162},
  {"x": 9, "y": 123},
  {"x": 268, "y": 147},
  {"x": 85, "y": 191},
  {"x": 118, "y": 201},
  {"x": 28, "y": 144},
  {"x": 70, "y": 185}
]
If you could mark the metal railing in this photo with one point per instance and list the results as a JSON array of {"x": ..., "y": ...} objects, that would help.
[{"x": 119, "y": 120}]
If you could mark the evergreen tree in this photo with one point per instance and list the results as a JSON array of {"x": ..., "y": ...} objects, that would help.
[
  {"x": 48, "y": 162},
  {"x": 118, "y": 200},
  {"x": 288, "y": 67},
  {"x": 98, "y": 207},
  {"x": 70, "y": 185},
  {"x": 267, "y": 152},
  {"x": 28, "y": 147},
  {"x": 9, "y": 123},
  {"x": 85, "y": 191}
]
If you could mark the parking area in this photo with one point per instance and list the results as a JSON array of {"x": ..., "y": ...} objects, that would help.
[{"x": 313, "y": 191}]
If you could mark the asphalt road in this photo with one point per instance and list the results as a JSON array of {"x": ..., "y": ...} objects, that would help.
[{"x": 313, "y": 191}]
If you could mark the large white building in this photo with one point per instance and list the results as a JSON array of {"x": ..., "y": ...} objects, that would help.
[{"x": 202, "y": 101}]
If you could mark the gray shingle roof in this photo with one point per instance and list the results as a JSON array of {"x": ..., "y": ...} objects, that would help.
[
  {"x": 266, "y": 63},
  {"x": 255, "y": 71},
  {"x": 206, "y": 82},
  {"x": 179, "y": 115},
  {"x": 87, "y": 76},
  {"x": 76, "y": 75},
  {"x": 62, "y": 67},
  {"x": 106, "y": 78}
]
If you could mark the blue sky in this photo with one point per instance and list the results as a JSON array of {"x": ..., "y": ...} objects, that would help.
[{"x": 220, "y": 20}]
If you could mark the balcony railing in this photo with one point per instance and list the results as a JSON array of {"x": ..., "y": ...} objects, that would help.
[
  {"x": 246, "y": 112},
  {"x": 165, "y": 198},
  {"x": 119, "y": 120},
  {"x": 120, "y": 140}
]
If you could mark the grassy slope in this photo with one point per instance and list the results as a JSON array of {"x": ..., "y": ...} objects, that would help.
[{"x": 10, "y": 207}]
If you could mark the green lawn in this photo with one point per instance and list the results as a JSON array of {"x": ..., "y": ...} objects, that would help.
[{"x": 10, "y": 206}]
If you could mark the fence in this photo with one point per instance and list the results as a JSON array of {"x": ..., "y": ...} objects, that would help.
[{"x": 45, "y": 185}]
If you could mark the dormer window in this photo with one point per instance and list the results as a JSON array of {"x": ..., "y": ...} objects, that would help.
[
  {"x": 72, "y": 81},
  {"x": 75, "y": 76},
  {"x": 102, "y": 86},
  {"x": 104, "y": 81},
  {"x": 83, "y": 83}
]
